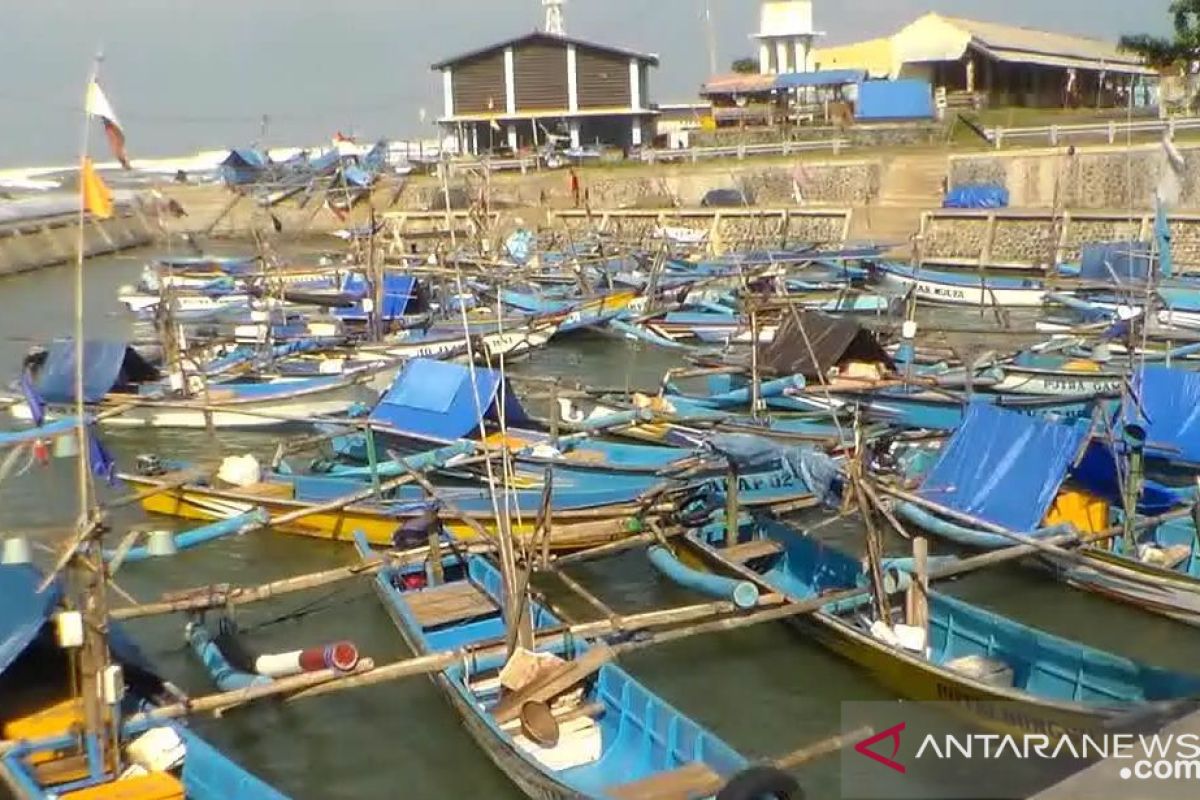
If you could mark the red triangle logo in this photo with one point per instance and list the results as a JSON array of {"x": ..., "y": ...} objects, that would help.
[{"x": 892, "y": 734}]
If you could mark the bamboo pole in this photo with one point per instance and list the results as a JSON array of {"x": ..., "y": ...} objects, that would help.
[
  {"x": 591, "y": 599},
  {"x": 217, "y": 597}
]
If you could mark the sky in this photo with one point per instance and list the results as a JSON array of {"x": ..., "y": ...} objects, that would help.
[{"x": 185, "y": 75}]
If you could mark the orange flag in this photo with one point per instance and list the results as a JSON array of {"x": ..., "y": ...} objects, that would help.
[{"x": 96, "y": 196}]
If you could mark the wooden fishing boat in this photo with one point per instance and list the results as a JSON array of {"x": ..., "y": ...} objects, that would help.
[
  {"x": 1075, "y": 379},
  {"x": 962, "y": 289},
  {"x": 1003, "y": 474},
  {"x": 577, "y": 525},
  {"x": 41, "y": 721},
  {"x": 117, "y": 377},
  {"x": 1000, "y": 673},
  {"x": 615, "y": 740}
]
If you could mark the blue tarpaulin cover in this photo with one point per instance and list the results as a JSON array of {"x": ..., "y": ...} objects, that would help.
[
  {"x": 1119, "y": 262},
  {"x": 1003, "y": 467},
  {"x": 1170, "y": 401},
  {"x": 23, "y": 611},
  {"x": 398, "y": 291},
  {"x": 976, "y": 195},
  {"x": 906, "y": 98},
  {"x": 434, "y": 400},
  {"x": 102, "y": 362}
]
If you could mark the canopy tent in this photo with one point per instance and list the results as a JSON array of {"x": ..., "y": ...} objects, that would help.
[
  {"x": 107, "y": 365},
  {"x": 1170, "y": 413},
  {"x": 439, "y": 401},
  {"x": 833, "y": 342},
  {"x": 1004, "y": 467}
]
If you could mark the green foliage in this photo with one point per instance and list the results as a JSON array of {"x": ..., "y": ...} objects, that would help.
[
  {"x": 1184, "y": 46},
  {"x": 745, "y": 66}
]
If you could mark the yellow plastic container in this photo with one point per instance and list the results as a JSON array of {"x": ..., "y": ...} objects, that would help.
[
  {"x": 55, "y": 720},
  {"x": 154, "y": 786},
  {"x": 1088, "y": 513}
]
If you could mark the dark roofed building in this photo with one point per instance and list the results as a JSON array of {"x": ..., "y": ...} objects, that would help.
[{"x": 517, "y": 92}]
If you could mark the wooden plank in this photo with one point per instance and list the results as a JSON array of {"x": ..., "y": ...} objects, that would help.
[
  {"x": 553, "y": 683},
  {"x": 694, "y": 780},
  {"x": 450, "y": 603},
  {"x": 759, "y": 548}
]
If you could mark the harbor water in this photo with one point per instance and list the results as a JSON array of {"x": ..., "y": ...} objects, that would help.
[{"x": 764, "y": 689}]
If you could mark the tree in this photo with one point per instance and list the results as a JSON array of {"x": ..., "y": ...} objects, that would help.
[
  {"x": 1160, "y": 51},
  {"x": 745, "y": 66}
]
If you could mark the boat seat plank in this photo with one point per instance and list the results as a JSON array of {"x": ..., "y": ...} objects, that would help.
[
  {"x": 552, "y": 683},
  {"x": 692, "y": 780},
  {"x": 451, "y": 603},
  {"x": 759, "y": 548}
]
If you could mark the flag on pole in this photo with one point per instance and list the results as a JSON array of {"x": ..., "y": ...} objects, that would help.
[
  {"x": 97, "y": 105},
  {"x": 96, "y": 196}
]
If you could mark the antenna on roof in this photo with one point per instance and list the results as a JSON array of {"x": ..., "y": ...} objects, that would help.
[{"x": 555, "y": 25}]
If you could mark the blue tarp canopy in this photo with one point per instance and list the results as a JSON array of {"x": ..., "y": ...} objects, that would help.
[
  {"x": 245, "y": 157},
  {"x": 1115, "y": 262},
  {"x": 1004, "y": 467},
  {"x": 1170, "y": 400},
  {"x": 23, "y": 611},
  {"x": 436, "y": 400},
  {"x": 106, "y": 365},
  {"x": 906, "y": 98},
  {"x": 398, "y": 292},
  {"x": 976, "y": 195},
  {"x": 825, "y": 77}
]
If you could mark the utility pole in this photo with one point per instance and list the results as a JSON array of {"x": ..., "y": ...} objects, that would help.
[{"x": 711, "y": 35}]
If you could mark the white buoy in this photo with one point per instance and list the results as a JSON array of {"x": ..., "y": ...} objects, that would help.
[
  {"x": 909, "y": 329},
  {"x": 161, "y": 543},
  {"x": 16, "y": 551}
]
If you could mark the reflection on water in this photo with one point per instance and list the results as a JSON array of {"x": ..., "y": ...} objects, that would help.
[{"x": 765, "y": 689}]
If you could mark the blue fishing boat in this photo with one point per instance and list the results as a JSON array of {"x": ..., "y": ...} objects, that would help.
[
  {"x": 43, "y": 722},
  {"x": 116, "y": 374},
  {"x": 1002, "y": 674},
  {"x": 1004, "y": 472},
  {"x": 614, "y": 738}
]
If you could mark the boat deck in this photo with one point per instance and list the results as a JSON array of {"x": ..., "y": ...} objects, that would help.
[
  {"x": 456, "y": 602},
  {"x": 758, "y": 548}
]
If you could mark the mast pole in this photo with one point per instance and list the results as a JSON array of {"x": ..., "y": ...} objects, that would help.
[{"x": 88, "y": 572}]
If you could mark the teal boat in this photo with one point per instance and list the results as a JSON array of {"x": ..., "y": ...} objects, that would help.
[
  {"x": 617, "y": 741},
  {"x": 1004, "y": 675}
]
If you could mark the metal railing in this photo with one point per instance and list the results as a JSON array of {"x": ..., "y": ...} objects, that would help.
[
  {"x": 1113, "y": 130},
  {"x": 741, "y": 151}
]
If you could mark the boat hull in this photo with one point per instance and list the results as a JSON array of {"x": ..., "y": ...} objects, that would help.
[{"x": 573, "y": 530}]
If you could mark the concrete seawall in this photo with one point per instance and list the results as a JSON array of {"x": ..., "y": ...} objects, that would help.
[{"x": 31, "y": 244}]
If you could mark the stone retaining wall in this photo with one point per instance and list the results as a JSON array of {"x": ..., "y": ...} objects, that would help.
[
  {"x": 1095, "y": 178},
  {"x": 1031, "y": 240},
  {"x": 36, "y": 243},
  {"x": 812, "y": 182}
]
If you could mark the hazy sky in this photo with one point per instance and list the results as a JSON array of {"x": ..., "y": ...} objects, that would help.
[{"x": 187, "y": 74}]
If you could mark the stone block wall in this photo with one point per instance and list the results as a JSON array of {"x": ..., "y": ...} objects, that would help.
[
  {"x": 836, "y": 183},
  {"x": 1096, "y": 178}
]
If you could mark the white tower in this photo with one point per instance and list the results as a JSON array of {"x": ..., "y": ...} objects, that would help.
[
  {"x": 785, "y": 36},
  {"x": 554, "y": 17}
]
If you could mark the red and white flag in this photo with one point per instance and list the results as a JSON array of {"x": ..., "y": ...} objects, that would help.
[{"x": 97, "y": 105}]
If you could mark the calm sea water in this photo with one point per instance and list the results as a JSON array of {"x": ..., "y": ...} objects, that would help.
[{"x": 764, "y": 689}]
